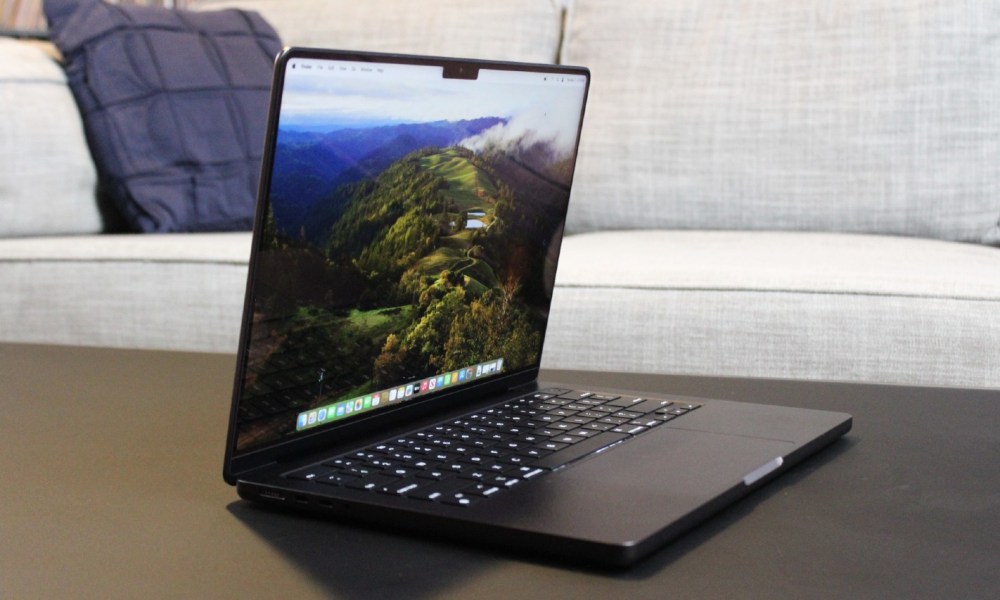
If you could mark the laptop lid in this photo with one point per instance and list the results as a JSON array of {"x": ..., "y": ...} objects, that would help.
[{"x": 409, "y": 219}]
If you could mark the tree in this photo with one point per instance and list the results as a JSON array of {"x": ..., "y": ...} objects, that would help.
[{"x": 390, "y": 366}]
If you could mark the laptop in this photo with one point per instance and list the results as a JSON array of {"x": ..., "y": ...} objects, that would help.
[{"x": 408, "y": 227}]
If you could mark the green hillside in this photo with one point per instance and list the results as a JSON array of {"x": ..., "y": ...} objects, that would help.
[
  {"x": 467, "y": 187},
  {"x": 419, "y": 274}
]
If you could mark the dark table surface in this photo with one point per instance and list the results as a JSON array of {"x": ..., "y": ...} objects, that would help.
[{"x": 111, "y": 487}]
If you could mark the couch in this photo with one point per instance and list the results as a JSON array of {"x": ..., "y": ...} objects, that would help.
[{"x": 805, "y": 190}]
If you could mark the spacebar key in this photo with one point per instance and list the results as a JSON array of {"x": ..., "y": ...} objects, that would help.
[{"x": 579, "y": 450}]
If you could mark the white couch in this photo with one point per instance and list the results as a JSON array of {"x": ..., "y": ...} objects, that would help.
[{"x": 770, "y": 189}]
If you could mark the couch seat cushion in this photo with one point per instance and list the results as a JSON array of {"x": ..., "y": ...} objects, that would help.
[
  {"x": 163, "y": 291},
  {"x": 788, "y": 305}
]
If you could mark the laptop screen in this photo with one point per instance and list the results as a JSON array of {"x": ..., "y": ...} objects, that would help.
[{"x": 409, "y": 238}]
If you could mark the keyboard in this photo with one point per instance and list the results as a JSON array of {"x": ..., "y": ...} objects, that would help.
[{"x": 485, "y": 453}]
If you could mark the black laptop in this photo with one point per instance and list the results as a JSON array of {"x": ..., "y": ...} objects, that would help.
[{"x": 408, "y": 228}]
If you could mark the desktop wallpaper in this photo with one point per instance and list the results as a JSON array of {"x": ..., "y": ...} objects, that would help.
[{"x": 412, "y": 230}]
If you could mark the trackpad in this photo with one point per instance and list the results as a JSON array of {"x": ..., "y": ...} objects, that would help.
[
  {"x": 679, "y": 463},
  {"x": 640, "y": 486}
]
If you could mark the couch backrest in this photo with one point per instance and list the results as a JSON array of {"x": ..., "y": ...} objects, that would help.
[
  {"x": 47, "y": 179},
  {"x": 877, "y": 116},
  {"x": 520, "y": 30}
]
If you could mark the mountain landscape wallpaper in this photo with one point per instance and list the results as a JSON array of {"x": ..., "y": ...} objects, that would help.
[{"x": 400, "y": 246}]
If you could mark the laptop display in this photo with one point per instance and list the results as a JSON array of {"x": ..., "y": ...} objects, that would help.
[{"x": 412, "y": 220}]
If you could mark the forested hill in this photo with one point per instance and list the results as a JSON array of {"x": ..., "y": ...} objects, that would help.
[
  {"x": 309, "y": 167},
  {"x": 436, "y": 264},
  {"x": 416, "y": 217}
]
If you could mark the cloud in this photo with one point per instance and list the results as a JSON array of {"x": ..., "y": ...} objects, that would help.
[{"x": 526, "y": 130}]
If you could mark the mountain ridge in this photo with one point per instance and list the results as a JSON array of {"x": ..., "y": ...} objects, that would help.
[{"x": 310, "y": 167}]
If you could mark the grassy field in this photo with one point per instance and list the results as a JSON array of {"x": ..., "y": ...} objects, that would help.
[
  {"x": 379, "y": 322},
  {"x": 467, "y": 186},
  {"x": 471, "y": 191}
]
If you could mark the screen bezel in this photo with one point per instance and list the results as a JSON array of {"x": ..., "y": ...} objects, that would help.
[{"x": 237, "y": 464}]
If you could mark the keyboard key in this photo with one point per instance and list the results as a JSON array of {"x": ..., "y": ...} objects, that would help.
[
  {"x": 547, "y": 432},
  {"x": 482, "y": 490},
  {"x": 553, "y": 445},
  {"x": 437, "y": 489},
  {"x": 372, "y": 483},
  {"x": 567, "y": 439},
  {"x": 623, "y": 402},
  {"x": 627, "y": 414},
  {"x": 535, "y": 452},
  {"x": 476, "y": 459},
  {"x": 603, "y": 397},
  {"x": 577, "y": 451},
  {"x": 336, "y": 479},
  {"x": 553, "y": 391},
  {"x": 629, "y": 429},
  {"x": 433, "y": 473},
  {"x": 458, "y": 499},
  {"x": 360, "y": 471},
  {"x": 679, "y": 409},
  {"x": 501, "y": 480},
  {"x": 308, "y": 474},
  {"x": 647, "y": 422},
  {"x": 401, "y": 487},
  {"x": 648, "y": 406},
  {"x": 477, "y": 475},
  {"x": 400, "y": 472}
]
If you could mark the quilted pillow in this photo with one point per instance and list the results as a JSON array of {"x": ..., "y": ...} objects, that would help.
[{"x": 174, "y": 104}]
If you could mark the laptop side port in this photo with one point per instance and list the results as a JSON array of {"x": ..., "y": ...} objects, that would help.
[{"x": 271, "y": 495}]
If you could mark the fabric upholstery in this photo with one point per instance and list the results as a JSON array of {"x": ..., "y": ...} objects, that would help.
[
  {"x": 171, "y": 291},
  {"x": 47, "y": 179},
  {"x": 174, "y": 104},
  {"x": 876, "y": 116},
  {"x": 521, "y": 30},
  {"x": 785, "y": 304}
]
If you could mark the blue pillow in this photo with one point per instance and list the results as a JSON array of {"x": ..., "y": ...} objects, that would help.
[{"x": 174, "y": 104}]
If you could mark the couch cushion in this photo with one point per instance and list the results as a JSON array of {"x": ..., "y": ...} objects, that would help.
[
  {"x": 523, "y": 30},
  {"x": 47, "y": 179},
  {"x": 177, "y": 291},
  {"x": 783, "y": 304},
  {"x": 175, "y": 104},
  {"x": 856, "y": 116}
]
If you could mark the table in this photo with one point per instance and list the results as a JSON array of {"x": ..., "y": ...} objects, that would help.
[{"x": 111, "y": 487}]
